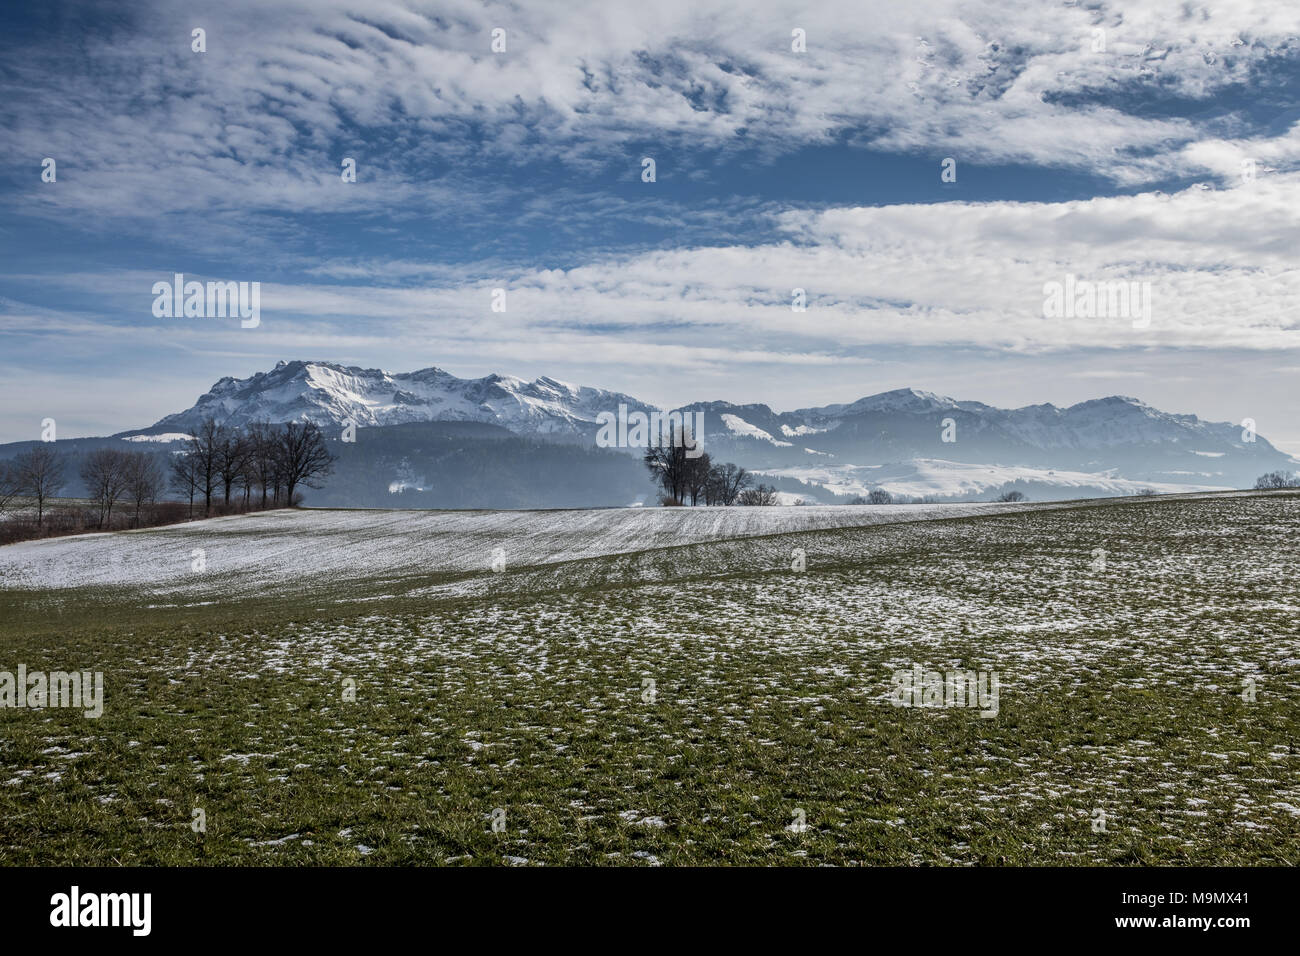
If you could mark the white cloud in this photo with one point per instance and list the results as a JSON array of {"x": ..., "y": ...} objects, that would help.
[
  {"x": 1220, "y": 264},
  {"x": 144, "y": 126}
]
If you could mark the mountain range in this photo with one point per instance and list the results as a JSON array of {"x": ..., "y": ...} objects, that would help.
[
  {"x": 330, "y": 394},
  {"x": 911, "y": 442}
]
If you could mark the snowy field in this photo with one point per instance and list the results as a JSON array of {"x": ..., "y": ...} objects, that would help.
[
  {"x": 283, "y": 549},
  {"x": 720, "y": 695},
  {"x": 294, "y": 550}
]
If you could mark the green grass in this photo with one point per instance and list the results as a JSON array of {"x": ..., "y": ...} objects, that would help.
[{"x": 1121, "y": 692}]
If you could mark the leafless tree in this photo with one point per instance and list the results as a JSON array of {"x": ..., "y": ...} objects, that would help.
[
  {"x": 695, "y": 477},
  {"x": 713, "y": 487},
  {"x": 40, "y": 475},
  {"x": 262, "y": 458},
  {"x": 670, "y": 464},
  {"x": 205, "y": 446},
  {"x": 144, "y": 481},
  {"x": 233, "y": 453},
  {"x": 762, "y": 495},
  {"x": 1277, "y": 479},
  {"x": 105, "y": 473},
  {"x": 183, "y": 474},
  {"x": 11, "y": 485},
  {"x": 731, "y": 481},
  {"x": 302, "y": 457}
]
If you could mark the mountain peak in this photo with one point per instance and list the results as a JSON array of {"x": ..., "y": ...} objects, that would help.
[
  {"x": 901, "y": 399},
  {"x": 1116, "y": 402}
]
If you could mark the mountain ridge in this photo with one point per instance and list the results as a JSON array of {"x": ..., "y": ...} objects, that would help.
[
  {"x": 544, "y": 394},
  {"x": 1112, "y": 437}
]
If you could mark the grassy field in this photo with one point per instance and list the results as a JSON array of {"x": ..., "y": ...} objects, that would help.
[{"x": 525, "y": 695}]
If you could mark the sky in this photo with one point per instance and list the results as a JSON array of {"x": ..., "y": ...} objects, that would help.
[{"x": 1152, "y": 143}]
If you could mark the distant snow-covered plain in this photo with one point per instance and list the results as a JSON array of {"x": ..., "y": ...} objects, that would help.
[{"x": 922, "y": 477}]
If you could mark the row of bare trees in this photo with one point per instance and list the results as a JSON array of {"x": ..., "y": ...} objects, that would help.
[
  {"x": 267, "y": 461},
  {"x": 112, "y": 475},
  {"x": 36, "y": 474},
  {"x": 218, "y": 465},
  {"x": 758, "y": 495},
  {"x": 686, "y": 477}
]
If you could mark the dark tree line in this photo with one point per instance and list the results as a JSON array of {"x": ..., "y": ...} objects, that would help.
[
  {"x": 876, "y": 496},
  {"x": 222, "y": 468},
  {"x": 260, "y": 466},
  {"x": 1277, "y": 479},
  {"x": 218, "y": 465},
  {"x": 685, "y": 477}
]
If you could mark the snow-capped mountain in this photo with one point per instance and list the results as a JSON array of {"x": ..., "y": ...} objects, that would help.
[
  {"x": 910, "y": 438},
  {"x": 1115, "y": 439},
  {"x": 332, "y": 395}
]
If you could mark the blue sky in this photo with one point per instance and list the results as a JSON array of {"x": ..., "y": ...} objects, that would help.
[{"x": 1111, "y": 155}]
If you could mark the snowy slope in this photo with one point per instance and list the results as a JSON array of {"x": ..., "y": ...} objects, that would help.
[
  {"x": 281, "y": 551},
  {"x": 279, "y": 547}
]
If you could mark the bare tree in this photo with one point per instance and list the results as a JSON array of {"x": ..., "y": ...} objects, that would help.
[
  {"x": 40, "y": 475},
  {"x": 261, "y": 459},
  {"x": 669, "y": 463},
  {"x": 205, "y": 446},
  {"x": 1277, "y": 479},
  {"x": 762, "y": 495},
  {"x": 732, "y": 480},
  {"x": 144, "y": 481},
  {"x": 105, "y": 472},
  {"x": 695, "y": 479},
  {"x": 232, "y": 455},
  {"x": 247, "y": 482},
  {"x": 713, "y": 487},
  {"x": 11, "y": 485},
  {"x": 879, "y": 496},
  {"x": 1012, "y": 496},
  {"x": 302, "y": 457},
  {"x": 183, "y": 474}
]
